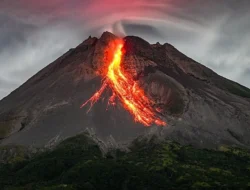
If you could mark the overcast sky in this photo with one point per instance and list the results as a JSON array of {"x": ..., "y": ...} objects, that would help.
[{"x": 33, "y": 33}]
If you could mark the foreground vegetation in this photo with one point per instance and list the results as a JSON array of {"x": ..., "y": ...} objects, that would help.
[{"x": 78, "y": 163}]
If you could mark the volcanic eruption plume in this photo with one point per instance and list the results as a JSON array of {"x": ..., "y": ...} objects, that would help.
[{"x": 127, "y": 90}]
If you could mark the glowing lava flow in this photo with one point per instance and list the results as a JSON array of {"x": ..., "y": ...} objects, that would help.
[{"x": 127, "y": 90}]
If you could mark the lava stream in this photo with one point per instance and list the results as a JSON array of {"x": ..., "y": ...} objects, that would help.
[{"x": 126, "y": 90}]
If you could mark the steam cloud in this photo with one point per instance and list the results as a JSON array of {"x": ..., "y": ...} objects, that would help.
[{"x": 34, "y": 33}]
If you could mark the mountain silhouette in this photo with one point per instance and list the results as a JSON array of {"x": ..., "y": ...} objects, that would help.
[{"x": 200, "y": 107}]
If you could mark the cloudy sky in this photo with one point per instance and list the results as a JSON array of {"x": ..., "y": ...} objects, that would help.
[{"x": 33, "y": 33}]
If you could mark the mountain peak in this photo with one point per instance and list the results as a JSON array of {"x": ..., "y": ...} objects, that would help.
[{"x": 107, "y": 36}]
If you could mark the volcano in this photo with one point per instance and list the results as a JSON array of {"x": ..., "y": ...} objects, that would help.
[{"x": 198, "y": 106}]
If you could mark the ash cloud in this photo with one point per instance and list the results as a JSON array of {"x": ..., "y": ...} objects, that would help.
[{"x": 34, "y": 33}]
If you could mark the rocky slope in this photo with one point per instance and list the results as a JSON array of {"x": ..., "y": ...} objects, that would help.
[{"x": 200, "y": 107}]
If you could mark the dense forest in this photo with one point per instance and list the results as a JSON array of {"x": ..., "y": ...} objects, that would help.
[{"x": 78, "y": 163}]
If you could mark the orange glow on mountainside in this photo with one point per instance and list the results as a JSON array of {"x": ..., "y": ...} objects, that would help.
[{"x": 126, "y": 90}]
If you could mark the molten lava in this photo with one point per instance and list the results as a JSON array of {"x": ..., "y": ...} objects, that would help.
[{"x": 126, "y": 90}]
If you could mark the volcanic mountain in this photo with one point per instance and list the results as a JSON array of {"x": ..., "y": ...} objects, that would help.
[{"x": 199, "y": 106}]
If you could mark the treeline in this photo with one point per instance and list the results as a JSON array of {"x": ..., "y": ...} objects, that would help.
[{"x": 78, "y": 163}]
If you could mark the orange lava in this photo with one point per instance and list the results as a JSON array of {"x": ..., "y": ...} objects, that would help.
[{"x": 126, "y": 90}]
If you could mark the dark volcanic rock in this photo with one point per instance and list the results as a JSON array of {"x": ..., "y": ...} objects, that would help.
[{"x": 200, "y": 107}]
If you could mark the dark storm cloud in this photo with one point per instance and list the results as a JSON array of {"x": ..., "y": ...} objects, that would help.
[
  {"x": 34, "y": 33},
  {"x": 26, "y": 47}
]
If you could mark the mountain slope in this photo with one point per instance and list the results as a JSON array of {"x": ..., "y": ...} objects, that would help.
[{"x": 200, "y": 107}]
